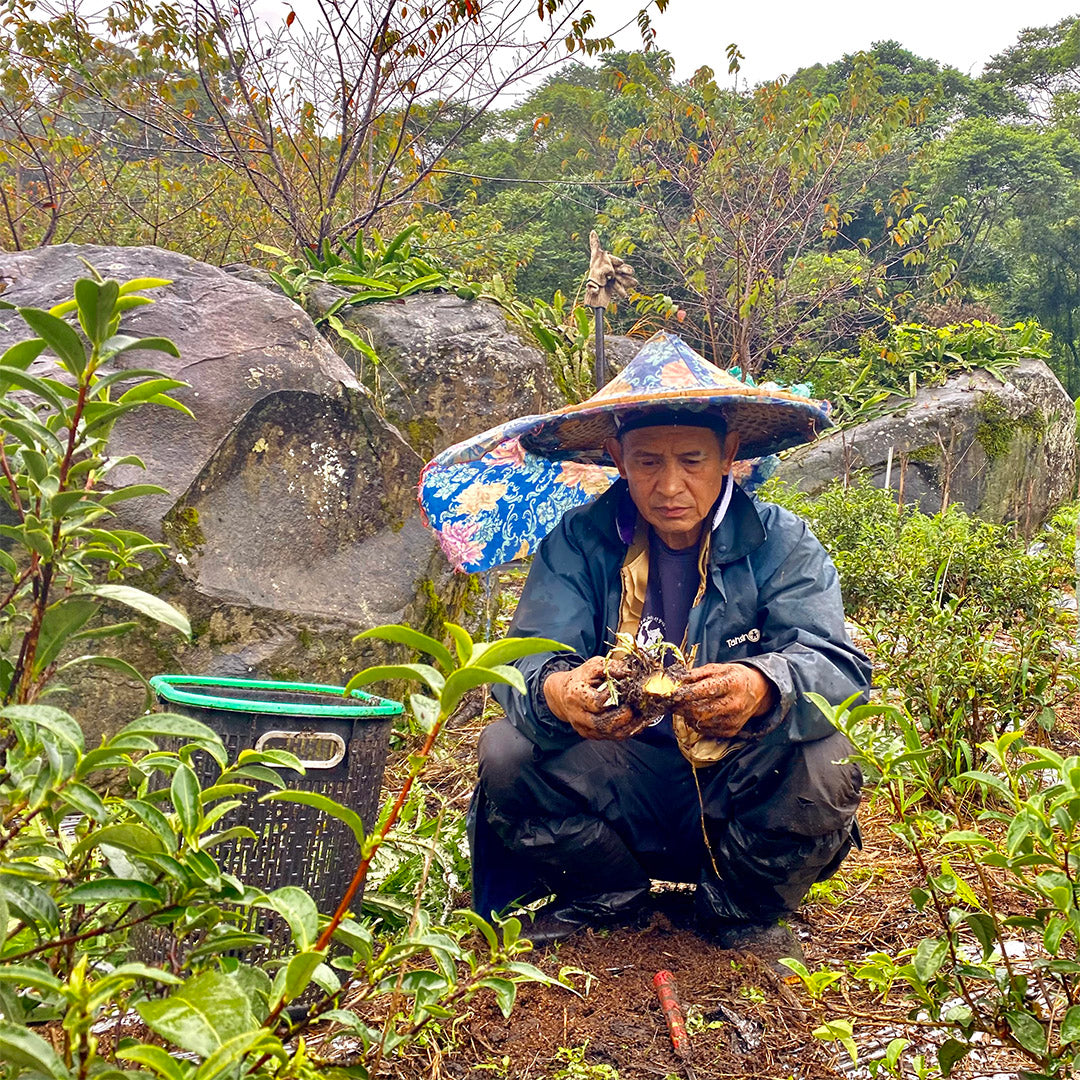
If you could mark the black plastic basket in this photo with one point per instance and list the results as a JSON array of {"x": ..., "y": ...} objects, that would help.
[{"x": 342, "y": 743}]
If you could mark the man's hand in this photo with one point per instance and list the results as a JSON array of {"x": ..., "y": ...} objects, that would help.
[
  {"x": 579, "y": 697},
  {"x": 718, "y": 699}
]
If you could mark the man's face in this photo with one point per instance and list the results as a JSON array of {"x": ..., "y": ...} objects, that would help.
[{"x": 675, "y": 475}]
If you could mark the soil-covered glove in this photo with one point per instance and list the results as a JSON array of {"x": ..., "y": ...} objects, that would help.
[
  {"x": 719, "y": 699},
  {"x": 580, "y": 698}
]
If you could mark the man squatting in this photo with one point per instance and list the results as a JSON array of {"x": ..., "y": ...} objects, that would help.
[{"x": 570, "y": 806}]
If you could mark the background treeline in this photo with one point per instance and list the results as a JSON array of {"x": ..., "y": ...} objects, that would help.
[{"x": 770, "y": 224}]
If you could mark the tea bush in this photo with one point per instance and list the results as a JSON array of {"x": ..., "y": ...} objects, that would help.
[
  {"x": 963, "y": 618},
  {"x": 100, "y": 844},
  {"x": 999, "y": 868}
]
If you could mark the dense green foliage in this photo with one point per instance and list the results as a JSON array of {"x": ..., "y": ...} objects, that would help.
[
  {"x": 788, "y": 218},
  {"x": 118, "y": 895},
  {"x": 964, "y": 621}
]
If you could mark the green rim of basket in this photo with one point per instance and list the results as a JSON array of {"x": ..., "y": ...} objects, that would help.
[{"x": 372, "y": 705}]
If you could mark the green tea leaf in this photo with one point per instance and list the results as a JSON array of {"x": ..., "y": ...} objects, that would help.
[
  {"x": 1029, "y": 1033},
  {"x": 184, "y": 792},
  {"x": 96, "y": 303},
  {"x": 160, "y": 1061},
  {"x": 23, "y": 1049},
  {"x": 465, "y": 679},
  {"x": 929, "y": 956},
  {"x": 58, "y": 336},
  {"x": 204, "y": 1013},
  {"x": 505, "y": 993},
  {"x": 298, "y": 910},
  {"x": 1070, "y": 1025},
  {"x": 323, "y": 803},
  {"x": 510, "y": 649},
  {"x": 224, "y": 1060},
  {"x": 145, "y": 603},
  {"x": 414, "y": 639},
  {"x": 389, "y": 672},
  {"x": 111, "y": 890},
  {"x": 951, "y": 1052}
]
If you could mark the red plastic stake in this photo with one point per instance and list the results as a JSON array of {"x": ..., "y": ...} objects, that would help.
[{"x": 664, "y": 982}]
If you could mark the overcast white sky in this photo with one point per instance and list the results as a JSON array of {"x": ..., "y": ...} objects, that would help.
[{"x": 779, "y": 36}]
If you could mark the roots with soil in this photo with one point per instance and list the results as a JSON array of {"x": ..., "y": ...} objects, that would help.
[{"x": 644, "y": 678}]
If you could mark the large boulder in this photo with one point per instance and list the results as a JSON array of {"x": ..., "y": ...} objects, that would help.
[
  {"x": 448, "y": 368},
  {"x": 291, "y": 514},
  {"x": 1004, "y": 451}
]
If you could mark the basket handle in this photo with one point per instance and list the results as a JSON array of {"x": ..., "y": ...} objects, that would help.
[{"x": 334, "y": 739}]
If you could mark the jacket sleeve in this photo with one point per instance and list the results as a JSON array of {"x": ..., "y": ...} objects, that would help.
[
  {"x": 558, "y": 602},
  {"x": 805, "y": 646}
]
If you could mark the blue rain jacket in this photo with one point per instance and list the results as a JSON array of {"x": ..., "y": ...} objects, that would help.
[{"x": 771, "y": 599}]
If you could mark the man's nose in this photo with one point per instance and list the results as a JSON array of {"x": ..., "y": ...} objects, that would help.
[{"x": 671, "y": 479}]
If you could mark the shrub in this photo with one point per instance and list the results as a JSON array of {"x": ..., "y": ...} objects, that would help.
[
  {"x": 98, "y": 843},
  {"x": 997, "y": 882},
  {"x": 961, "y": 616}
]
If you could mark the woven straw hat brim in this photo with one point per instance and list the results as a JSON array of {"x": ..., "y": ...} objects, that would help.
[{"x": 766, "y": 421}]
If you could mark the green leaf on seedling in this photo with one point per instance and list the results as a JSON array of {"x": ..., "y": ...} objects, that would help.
[
  {"x": 62, "y": 619},
  {"x": 204, "y": 1013},
  {"x": 224, "y": 1060},
  {"x": 26, "y": 1051},
  {"x": 463, "y": 641},
  {"x": 405, "y": 635},
  {"x": 29, "y": 902},
  {"x": 96, "y": 305},
  {"x": 128, "y": 837},
  {"x": 51, "y": 719},
  {"x": 1070, "y": 1025},
  {"x": 510, "y": 649},
  {"x": 58, "y": 336},
  {"x": 112, "y": 890},
  {"x": 153, "y": 1057},
  {"x": 929, "y": 956},
  {"x": 426, "y": 711},
  {"x": 85, "y": 800},
  {"x": 389, "y": 672},
  {"x": 22, "y": 354},
  {"x": 323, "y": 803},
  {"x": 298, "y": 910},
  {"x": 184, "y": 792},
  {"x": 300, "y": 971},
  {"x": 144, "y": 602},
  {"x": 1029, "y": 1033},
  {"x": 839, "y": 1031},
  {"x": 139, "y": 284},
  {"x": 465, "y": 679},
  {"x": 505, "y": 993},
  {"x": 951, "y": 1052}
]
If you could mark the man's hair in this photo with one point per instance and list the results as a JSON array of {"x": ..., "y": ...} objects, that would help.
[{"x": 711, "y": 419}]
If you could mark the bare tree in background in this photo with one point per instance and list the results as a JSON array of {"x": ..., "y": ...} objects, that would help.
[{"x": 332, "y": 116}]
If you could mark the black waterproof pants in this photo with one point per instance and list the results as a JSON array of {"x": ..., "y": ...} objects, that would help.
[{"x": 605, "y": 817}]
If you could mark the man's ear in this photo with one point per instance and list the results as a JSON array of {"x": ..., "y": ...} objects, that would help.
[
  {"x": 728, "y": 449},
  {"x": 614, "y": 449}
]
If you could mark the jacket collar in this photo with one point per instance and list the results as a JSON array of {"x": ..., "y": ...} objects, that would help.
[{"x": 737, "y": 534}]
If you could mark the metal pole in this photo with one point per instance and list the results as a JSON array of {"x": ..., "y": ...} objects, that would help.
[{"x": 601, "y": 361}]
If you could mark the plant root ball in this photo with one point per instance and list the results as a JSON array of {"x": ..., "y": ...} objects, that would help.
[{"x": 636, "y": 678}]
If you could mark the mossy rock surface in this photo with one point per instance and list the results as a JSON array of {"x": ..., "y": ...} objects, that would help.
[
  {"x": 292, "y": 513},
  {"x": 1004, "y": 451}
]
